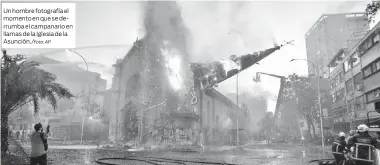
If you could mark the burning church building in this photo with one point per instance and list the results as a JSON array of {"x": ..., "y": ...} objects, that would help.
[
  {"x": 158, "y": 96},
  {"x": 154, "y": 96},
  {"x": 153, "y": 88}
]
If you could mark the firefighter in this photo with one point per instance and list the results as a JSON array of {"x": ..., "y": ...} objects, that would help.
[
  {"x": 360, "y": 141},
  {"x": 338, "y": 146}
]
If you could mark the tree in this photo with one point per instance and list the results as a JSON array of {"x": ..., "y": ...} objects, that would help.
[
  {"x": 89, "y": 103},
  {"x": 299, "y": 90},
  {"x": 23, "y": 82},
  {"x": 267, "y": 122},
  {"x": 371, "y": 10}
]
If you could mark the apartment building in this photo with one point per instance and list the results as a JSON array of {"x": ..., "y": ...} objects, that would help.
[
  {"x": 328, "y": 35},
  {"x": 355, "y": 81},
  {"x": 369, "y": 51}
]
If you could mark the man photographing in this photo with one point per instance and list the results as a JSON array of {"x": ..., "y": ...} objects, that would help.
[{"x": 39, "y": 145}]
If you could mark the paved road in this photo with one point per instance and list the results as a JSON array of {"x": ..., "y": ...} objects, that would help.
[{"x": 250, "y": 155}]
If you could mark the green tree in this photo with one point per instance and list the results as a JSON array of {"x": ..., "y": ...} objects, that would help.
[
  {"x": 23, "y": 82},
  {"x": 299, "y": 90}
]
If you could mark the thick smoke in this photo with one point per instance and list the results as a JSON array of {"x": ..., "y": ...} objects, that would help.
[
  {"x": 163, "y": 22},
  {"x": 167, "y": 37}
]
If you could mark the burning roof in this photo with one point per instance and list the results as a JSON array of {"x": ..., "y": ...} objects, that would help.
[{"x": 213, "y": 73}]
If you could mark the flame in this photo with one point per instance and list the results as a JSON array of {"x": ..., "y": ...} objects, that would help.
[
  {"x": 229, "y": 65},
  {"x": 173, "y": 65}
]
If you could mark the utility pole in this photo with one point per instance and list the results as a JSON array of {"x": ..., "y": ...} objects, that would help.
[{"x": 237, "y": 111}]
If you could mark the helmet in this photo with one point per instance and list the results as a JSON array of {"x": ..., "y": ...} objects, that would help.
[
  {"x": 342, "y": 134},
  {"x": 38, "y": 126},
  {"x": 363, "y": 128}
]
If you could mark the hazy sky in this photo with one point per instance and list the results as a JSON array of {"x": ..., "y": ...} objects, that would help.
[{"x": 218, "y": 29}]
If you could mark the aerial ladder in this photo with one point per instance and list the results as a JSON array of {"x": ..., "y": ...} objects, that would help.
[{"x": 257, "y": 79}]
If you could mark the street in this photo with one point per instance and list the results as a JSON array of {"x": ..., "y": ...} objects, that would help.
[{"x": 283, "y": 154}]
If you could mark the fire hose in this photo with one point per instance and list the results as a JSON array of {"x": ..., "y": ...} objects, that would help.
[{"x": 155, "y": 160}]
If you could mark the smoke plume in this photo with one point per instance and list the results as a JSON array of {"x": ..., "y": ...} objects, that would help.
[{"x": 163, "y": 22}]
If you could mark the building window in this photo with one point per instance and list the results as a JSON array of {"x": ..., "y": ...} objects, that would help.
[
  {"x": 337, "y": 80},
  {"x": 341, "y": 77},
  {"x": 355, "y": 59},
  {"x": 376, "y": 94},
  {"x": 351, "y": 105},
  {"x": 343, "y": 94},
  {"x": 341, "y": 111},
  {"x": 359, "y": 104},
  {"x": 338, "y": 95},
  {"x": 367, "y": 71},
  {"x": 370, "y": 97},
  {"x": 347, "y": 66},
  {"x": 331, "y": 69},
  {"x": 372, "y": 68},
  {"x": 333, "y": 98},
  {"x": 376, "y": 39},
  {"x": 349, "y": 85},
  {"x": 370, "y": 41},
  {"x": 373, "y": 95},
  {"x": 358, "y": 79}
]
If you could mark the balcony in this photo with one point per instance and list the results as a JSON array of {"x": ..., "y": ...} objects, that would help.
[{"x": 355, "y": 38}]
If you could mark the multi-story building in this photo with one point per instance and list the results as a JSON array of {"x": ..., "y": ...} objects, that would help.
[
  {"x": 355, "y": 82},
  {"x": 328, "y": 35},
  {"x": 369, "y": 52}
]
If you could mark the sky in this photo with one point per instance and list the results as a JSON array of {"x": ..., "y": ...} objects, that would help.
[{"x": 218, "y": 30}]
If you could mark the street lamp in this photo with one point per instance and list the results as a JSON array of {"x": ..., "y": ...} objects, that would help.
[
  {"x": 319, "y": 97},
  {"x": 69, "y": 50}
]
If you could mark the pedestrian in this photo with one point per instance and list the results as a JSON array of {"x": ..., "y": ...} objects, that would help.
[{"x": 39, "y": 145}]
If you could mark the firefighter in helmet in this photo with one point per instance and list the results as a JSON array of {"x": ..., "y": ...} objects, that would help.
[
  {"x": 338, "y": 146},
  {"x": 363, "y": 142}
]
